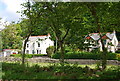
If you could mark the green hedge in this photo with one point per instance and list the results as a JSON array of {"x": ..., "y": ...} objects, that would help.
[
  {"x": 118, "y": 57},
  {"x": 16, "y": 55},
  {"x": 28, "y": 55},
  {"x": 84, "y": 55}
]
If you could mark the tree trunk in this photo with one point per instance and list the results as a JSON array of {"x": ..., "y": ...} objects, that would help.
[
  {"x": 23, "y": 53},
  {"x": 30, "y": 32},
  {"x": 62, "y": 52},
  {"x": 92, "y": 8},
  {"x": 24, "y": 47},
  {"x": 104, "y": 56}
]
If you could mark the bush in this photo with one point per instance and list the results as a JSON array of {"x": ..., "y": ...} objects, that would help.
[
  {"x": 118, "y": 57},
  {"x": 68, "y": 49},
  {"x": 50, "y": 50},
  {"x": 56, "y": 55},
  {"x": 84, "y": 55},
  {"x": 118, "y": 51},
  {"x": 16, "y": 55},
  {"x": 111, "y": 56},
  {"x": 28, "y": 55}
]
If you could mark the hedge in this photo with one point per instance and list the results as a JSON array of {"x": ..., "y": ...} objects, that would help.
[
  {"x": 84, "y": 55},
  {"x": 118, "y": 57},
  {"x": 28, "y": 55}
]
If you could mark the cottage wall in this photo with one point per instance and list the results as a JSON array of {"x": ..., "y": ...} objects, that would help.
[{"x": 38, "y": 44}]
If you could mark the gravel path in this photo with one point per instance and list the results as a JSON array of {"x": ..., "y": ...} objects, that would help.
[{"x": 50, "y": 60}]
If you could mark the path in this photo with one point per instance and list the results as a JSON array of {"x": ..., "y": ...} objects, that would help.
[{"x": 49, "y": 60}]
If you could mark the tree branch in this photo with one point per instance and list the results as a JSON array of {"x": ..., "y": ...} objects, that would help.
[{"x": 66, "y": 34}]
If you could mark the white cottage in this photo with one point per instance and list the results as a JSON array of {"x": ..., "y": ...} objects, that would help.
[
  {"x": 8, "y": 52},
  {"x": 38, "y": 44},
  {"x": 110, "y": 41}
]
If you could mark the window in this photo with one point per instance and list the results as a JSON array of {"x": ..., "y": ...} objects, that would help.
[
  {"x": 27, "y": 45},
  {"x": 27, "y": 51},
  {"x": 92, "y": 41},
  {"x": 40, "y": 52},
  {"x": 104, "y": 41},
  {"x": 33, "y": 51},
  {"x": 38, "y": 44},
  {"x": 37, "y": 51},
  {"x": 33, "y": 45}
]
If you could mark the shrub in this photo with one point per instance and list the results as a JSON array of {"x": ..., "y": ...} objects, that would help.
[
  {"x": 50, "y": 50},
  {"x": 118, "y": 57},
  {"x": 84, "y": 55},
  {"x": 37, "y": 55},
  {"x": 67, "y": 49},
  {"x": 111, "y": 56},
  {"x": 16, "y": 55},
  {"x": 118, "y": 51},
  {"x": 56, "y": 55},
  {"x": 28, "y": 55}
]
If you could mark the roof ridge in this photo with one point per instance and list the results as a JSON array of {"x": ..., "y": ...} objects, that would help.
[
  {"x": 103, "y": 32},
  {"x": 39, "y": 36}
]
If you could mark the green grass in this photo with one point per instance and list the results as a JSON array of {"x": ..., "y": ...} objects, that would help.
[{"x": 56, "y": 71}]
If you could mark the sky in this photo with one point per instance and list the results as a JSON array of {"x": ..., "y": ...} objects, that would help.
[{"x": 8, "y": 9}]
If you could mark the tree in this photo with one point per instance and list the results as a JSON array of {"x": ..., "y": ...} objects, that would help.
[
  {"x": 58, "y": 18},
  {"x": 11, "y": 38},
  {"x": 31, "y": 25},
  {"x": 29, "y": 28},
  {"x": 101, "y": 13},
  {"x": 73, "y": 20}
]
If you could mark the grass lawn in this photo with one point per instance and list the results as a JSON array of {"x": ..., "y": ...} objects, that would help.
[{"x": 56, "y": 71}]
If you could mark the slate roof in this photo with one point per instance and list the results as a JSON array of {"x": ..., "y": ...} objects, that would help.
[{"x": 96, "y": 36}]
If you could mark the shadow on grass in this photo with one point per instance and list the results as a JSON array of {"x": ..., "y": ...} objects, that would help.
[{"x": 16, "y": 71}]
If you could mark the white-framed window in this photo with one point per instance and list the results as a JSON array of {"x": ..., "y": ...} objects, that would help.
[
  {"x": 33, "y": 52},
  {"x": 37, "y": 51},
  {"x": 27, "y": 51},
  {"x": 33, "y": 45},
  {"x": 38, "y": 44},
  {"x": 27, "y": 45}
]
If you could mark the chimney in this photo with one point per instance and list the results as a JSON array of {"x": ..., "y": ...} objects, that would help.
[
  {"x": 49, "y": 35},
  {"x": 114, "y": 31}
]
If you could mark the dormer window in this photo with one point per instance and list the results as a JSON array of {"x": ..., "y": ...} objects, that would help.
[{"x": 38, "y": 44}]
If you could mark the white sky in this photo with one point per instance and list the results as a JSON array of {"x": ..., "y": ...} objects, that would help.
[{"x": 8, "y": 9}]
